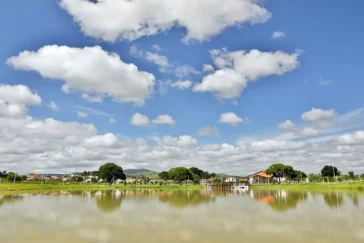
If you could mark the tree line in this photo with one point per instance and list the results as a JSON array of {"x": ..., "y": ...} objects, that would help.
[
  {"x": 328, "y": 172},
  {"x": 110, "y": 172},
  {"x": 180, "y": 174}
]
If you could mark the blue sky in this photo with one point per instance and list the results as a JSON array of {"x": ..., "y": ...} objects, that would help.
[{"x": 319, "y": 65}]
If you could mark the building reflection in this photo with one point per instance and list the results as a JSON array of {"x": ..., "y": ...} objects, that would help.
[{"x": 279, "y": 200}]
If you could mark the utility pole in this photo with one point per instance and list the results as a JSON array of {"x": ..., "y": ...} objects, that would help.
[
  {"x": 334, "y": 173},
  {"x": 14, "y": 177}
]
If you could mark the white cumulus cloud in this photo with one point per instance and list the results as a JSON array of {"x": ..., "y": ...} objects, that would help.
[
  {"x": 287, "y": 125},
  {"x": 81, "y": 114},
  {"x": 106, "y": 140},
  {"x": 238, "y": 68},
  {"x": 156, "y": 48},
  {"x": 139, "y": 120},
  {"x": 318, "y": 114},
  {"x": 208, "y": 131},
  {"x": 182, "y": 141},
  {"x": 19, "y": 95},
  {"x": 278, "y": 35},
  {"x": 182, "y": 84},
  {"x": 353, "y": 138},
  {"x": 111, "y": 120},
  {"x": 90, "y": 70},
  {"x": 208, "y": 68},
  {"x": 53, "y": 106},
  {"x": 14, "y": 100},
  {"x": 163, "y": 119},
  {"x": 231, "y": 118},
  {"x": 10, "y": 110},
  {"x": 111, "y": 20}
]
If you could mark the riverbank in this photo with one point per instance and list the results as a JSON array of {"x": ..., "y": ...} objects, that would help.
[
  {"x": 337, "y": 186},
  {"x": 9, "y": 188}
]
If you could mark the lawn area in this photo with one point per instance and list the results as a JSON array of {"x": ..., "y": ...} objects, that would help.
[
  {"x": 337, "y": 186},
  {"x": 10, "y": 188}
]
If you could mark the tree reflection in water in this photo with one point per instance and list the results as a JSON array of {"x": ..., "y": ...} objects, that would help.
[
  {"x": 333, "y": 199},
  {"x": 178, "y": 198},
  {"x": 279, "y": 200},
  {"x": 354, "y": 198},
  {"x": 6, "y": 199},
  {"x": 108, "y": 201}
]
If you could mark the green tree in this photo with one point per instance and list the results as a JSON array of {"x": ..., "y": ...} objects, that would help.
[
  {"x": 3, "y": 174},
  {"x": 276, "y": 170},
  {"x": 329, "y": 171},
  {"x": 315, "y": 178},
  {"x": 179, "y": 174},
  {"x": 300, "y": 175},
  {"x": 110, "y": 172},
  {"x": 289, "y": 172},
  {"x": 164, "y": 175},
  {"x": 198, "y": 174},
  {"x": 11, "y": 175},
  {"x": 351, "y": 174}
]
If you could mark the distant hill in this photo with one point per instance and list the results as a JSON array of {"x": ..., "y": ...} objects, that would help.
[
  {"x": 60, "y": 175},
  {"x": 133, "y": 171},
  {"x": 140, "y": 172},
  {"x": 225, "y": 175}
]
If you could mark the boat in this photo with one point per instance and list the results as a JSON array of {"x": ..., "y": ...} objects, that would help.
[{"x": 240, "y": 187}]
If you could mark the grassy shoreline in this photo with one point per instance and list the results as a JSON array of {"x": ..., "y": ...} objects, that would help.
[
  {"x": 337, "y": 186},
  {"x": 8, "y": 188}
]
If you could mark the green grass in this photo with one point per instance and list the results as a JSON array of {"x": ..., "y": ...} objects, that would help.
[
  {"x": 337, "y": 186},
  {"x": 9, "y": 188}
]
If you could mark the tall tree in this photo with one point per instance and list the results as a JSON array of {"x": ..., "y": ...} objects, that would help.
[
  {"x": 330, "y": 171},
  {"x": 300, "y": 175},
  {"x": 11, "y": 175},
  {"x": 3, "y": 174},
  {"x": 197, "y": 174},
  {"x": 351, "y": 174},
  {"x": 289, "y": 172},
  {"x": 110, "y": 172},
  {"x": 179, "y": 174},
  {"x": 164, "y": 175},
  {"x": 277, "y": 170},
  {"x": 315, "y": 178}
]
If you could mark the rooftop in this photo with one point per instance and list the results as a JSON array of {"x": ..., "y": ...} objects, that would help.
[{"x": 262, "y": 174}]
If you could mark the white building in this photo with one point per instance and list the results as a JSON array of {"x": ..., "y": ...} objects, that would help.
[{"x": 230, "y": 179}]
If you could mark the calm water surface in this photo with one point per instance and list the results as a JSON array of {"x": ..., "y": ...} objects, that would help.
[{"x": 182, "y": 216}]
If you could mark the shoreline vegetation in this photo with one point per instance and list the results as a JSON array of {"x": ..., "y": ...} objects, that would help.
[
  {"x": 323, "y": 186},
  {"x": 10, "y": 188},
  {"x": 111, "y": 176},
  {"x": 18, "y": 188}
]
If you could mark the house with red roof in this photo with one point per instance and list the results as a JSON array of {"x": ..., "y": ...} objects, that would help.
[
  {"x": 32, "y": 176},
  {"x": 260, "y": 178}
]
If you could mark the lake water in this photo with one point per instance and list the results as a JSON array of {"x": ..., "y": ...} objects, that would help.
[{"x": 182, "y": 216}]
